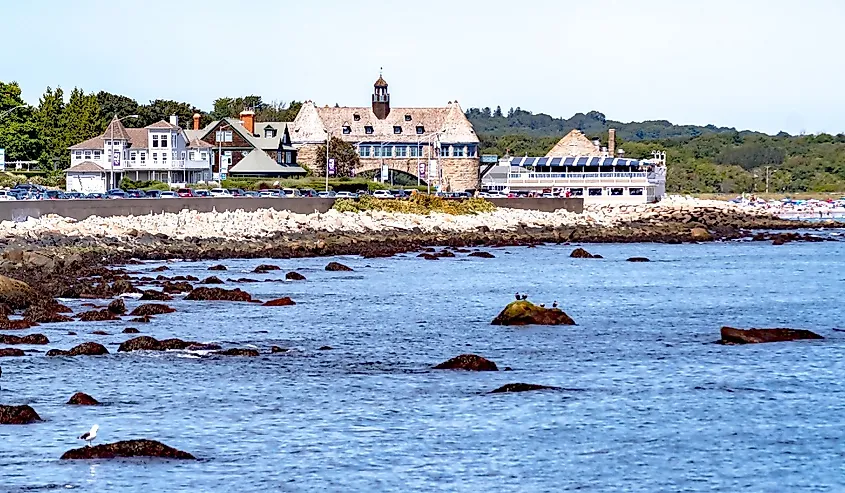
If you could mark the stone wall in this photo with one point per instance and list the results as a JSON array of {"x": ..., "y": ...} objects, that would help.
[{"x": 306, "y": 157}]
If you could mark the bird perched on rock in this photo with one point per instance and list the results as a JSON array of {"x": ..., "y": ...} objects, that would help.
[
  {"x": 554, "y": 305},
  {"x": 524, "y": 297},
  {"x": 90, "y": 435},
  {"x": 542, "y": 305},
  {"x": 517, "y": 296}
]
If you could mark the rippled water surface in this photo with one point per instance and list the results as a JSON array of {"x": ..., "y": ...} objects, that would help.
[{"x": 650, "y": 403}]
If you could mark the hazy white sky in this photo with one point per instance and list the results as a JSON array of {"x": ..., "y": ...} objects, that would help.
[{"x": 752, "y": 64}]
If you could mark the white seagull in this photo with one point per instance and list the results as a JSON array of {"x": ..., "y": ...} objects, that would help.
[{"x": 90, "y": 436}]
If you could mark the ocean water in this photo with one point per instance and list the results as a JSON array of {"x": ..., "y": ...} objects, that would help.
[{"x": 650, "y": 403}]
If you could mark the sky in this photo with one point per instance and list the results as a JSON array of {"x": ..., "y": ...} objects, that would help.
[{"x": 751, "y": 64}]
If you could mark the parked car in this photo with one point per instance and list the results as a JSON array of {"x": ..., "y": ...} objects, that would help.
[
  {"x": 237, "y": 192},
  {"x": 54, "y": 195},
  {"x": 185, "y": 193},
  {"x": 400, "y": 194},
  {"x": 168, "y": 195},
  {"x": 308, "y": 192},
  {"x": 382, "y": 194},
  {"x": 327, "y": 195},
  {"x": 6, "y": 195},
  {"x": 291, "y": 193},
  {"x": 251, "y": 194},
  {"x": 153, "y": 194},
  {"x": 270, "y": 192},
  {"x": 346, "y": 195},
  {"x": 219, "y": 192},
  {"x": 95, "y": 196},
  {"x": 202, "y": 193}
]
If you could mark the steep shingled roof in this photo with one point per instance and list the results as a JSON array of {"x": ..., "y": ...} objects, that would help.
[
  {"x": 575, "y": 143},
  {"x": 115, "y": 130},
  {"x": 85, "y": 167},
  {"x": 258, "y": 162}
]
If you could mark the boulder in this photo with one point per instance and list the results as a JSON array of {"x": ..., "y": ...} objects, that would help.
[
  {"x": 286, "y": 301},
  {"x": 176, "y": 287},
  {"x": 526, "y": 313},
  {"x": 469, "y": 362},
  {"x": 244, "y": 279},
  {"x": 203, "y": 347},
  {"x": 142, "y": 320},
  {"x": 18, "y": 415},
  {"x": 445, "y": 254},
  {"x": 127, "y": 448},
  {"x": 97, "y": 316},
  {"x": 131, "y": 330},
  {"x": 48, "y": 311},
  {"x": 82, "y": 399},
  {"x": 34, "y": 339},
  {"x": 521, "y": 387},
  {"x": 337, "y": 267},
  {"x": 100, "y": 333},
  {"x": 218, "y": 267},
  {"x": 638, "y": 259},
  {"x": 481, "y": 254},
  {"x": 428, "y": 256},
  {"x": 84, "y": 349},
  {"x": 238, "y": 352},
  {"x": 211, "y": 280},
  {"x": 160, "y": 269},
  {"x": 294, "y": 276},
  {"x": 581, "y": 253},
  {"x": 9, "y": 352},
  {"x": 150, "y": 309},
  {"x": 731, "y": 335},
  {"x": 218, "y": 294},
  {"x": 141, "y": 343},
  {"x": 325, "y": 348},
  {"x": 118, "y": 307},
  {"x": 6, "y": 324},
  {"x": 700, "y": 234},
  {"x": 123, "y": 286},
  {"x": 17, "y": 294},
  {"x": 277, "y": 349},
  {"x": 264, "y": 268},
  {"x": 153, "y": 295}
]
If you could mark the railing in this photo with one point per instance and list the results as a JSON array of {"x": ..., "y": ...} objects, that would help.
[
  {"x": 578, "y": 178},
  {"x": 165, "y": 165}
]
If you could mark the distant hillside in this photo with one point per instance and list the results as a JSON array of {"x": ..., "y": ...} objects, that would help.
[{"x": 494, "y": 123}]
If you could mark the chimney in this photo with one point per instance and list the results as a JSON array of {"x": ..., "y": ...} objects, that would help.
[
  {"x": 174, "y": 120},
  {"x": 611, "y": 142},
  {"x": 197, "y": 117},
  {"x": 248, "y": 120}
]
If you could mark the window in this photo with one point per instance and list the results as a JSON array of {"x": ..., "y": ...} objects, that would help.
[
  {"x": 356, "y": 117},
  {"x": 376, "y": 151},
  {"x": 87, "y": 154},
  {"x": 635, "y": 191},
  {"x": 397, "y": 129},
  {"x": 415, "y": 151},
  {"x": 163, "y": 157},
  {"x": 77, "y": 154},
  {"x": 576, "y": 192},
  {"x": 155, "y": 157},
  {"x": 133, "y": 156},
  {"x": 594, "y": 191},
  {"x": 420, "y": 130},
  {"x": 364, "y": 151},
  {"x": 401, "y": 151},
  {"x": 193, "y": 156},
  {"x": 407, "y": 118},
  {"x": 97, "y": 155},
  {"x": 204, "y": 155},
  {"x": 155, "y": 140},
  {"x": 457, "y": 151},
  {"x": 347, "y": 130},
  {"x": 471, "y": 150},
  {"x": 444, "y": 151},
  {"x": 164, "y": 141},
  {"x": 183, "y": 155},
  {"x": 278, "y": 158},
  {"x": 289, "y": 157},
  {"x": 143, "y": 157},
  {"x": 387, "y": 152},
  {"x": 269, "y": 132},
  {"x": 616, "y": 191},
  {"x": 368, "y": 129}
]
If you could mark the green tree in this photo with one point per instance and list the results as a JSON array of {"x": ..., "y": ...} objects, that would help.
[
  {"x": 163, "y": 109},
  {"x": 81, "y": 118},
  {"x": 18, "y": 130},
  {"x": 344, "y": 154},
  {"x": 48, "y": 117},
  {"x": 115, "y": 104}
]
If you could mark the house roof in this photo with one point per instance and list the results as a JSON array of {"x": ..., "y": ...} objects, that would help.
[
  {"x": 312, "y": 124},
  {"x": 196, "y": 143},
  {"x": 575, "y": 143},
  {"x": 116, "y": 130},
  {"x": 380, "y": 82},
  {"x": 139, "y": 138},
  {"x": 258, "y": 161},
  {"x": 86, "y": 167},
  {"x": 257, "y": 142},
  {"x": 162, "y": 124},
  {"x": 93, "y": 143}
]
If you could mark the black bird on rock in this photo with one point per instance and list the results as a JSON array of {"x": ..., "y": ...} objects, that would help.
[
  {"x": 554, "y": 305},
  {"x": 524, "y": 297},
  {"x": 517, "y": 296}
]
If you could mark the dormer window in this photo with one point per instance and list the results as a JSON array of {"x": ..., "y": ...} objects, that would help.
[
  {"x": 397, "y": 129},
  {"x": 407, "y": 118},
  {"x": 356, "y": 117},
  {"x": 368, "y": 129},
  {"x": 420, "y": 130},
  {"x": 347, "y": 130},
  {"x": 269, "y": 132}
]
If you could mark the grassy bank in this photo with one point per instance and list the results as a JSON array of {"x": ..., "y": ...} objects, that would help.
[{"x": 417, "y": 204}]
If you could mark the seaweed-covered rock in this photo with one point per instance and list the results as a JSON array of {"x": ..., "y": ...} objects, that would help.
[
  {"x": 176, "y": 287},
  {"x": 521, "y": 387},
  {"x": 337, "y": 267},
  {"x": 286, "y": 301},
  {"x": 481, "y": 255},
  {"x": 18, "y": 415},
  {"x": 238, "y": 352},
  {"x": 160, "y": 269},
  {"x": 98, "y": 316},
  {"x": 278, "y": 349},
  {"x": 294, "y": 276},
  {"x": 17, "y": 294},
  {"x": 142, "y": 320},
  {"x": 150, "y": 309},
  {"x": 34, "y": 339},
  {"x": 265, "y": 268},
  {"x": 82, "y": 399},
  {"x": 10, "y": 352},
  {"x": 175, "y": 344},
  {"x": 6, "y": 324},
  {"x": 118, "y": 307},
  {"x": 153, "y": 295},
  {"x": 218, "y": 294},
  {"x": 524, "y": 312},
  {"x": 470, "y": 362},
  {"x": 141, "y": 343},
  {"x": 212, "y": 280},
  {"x": 581, "y": 253},
  {"x": 127, "y": 448},
  {"x": 197, "y": 346},
  {"x": 47, "y": 311},
  {"x": 218, "y": 267},
  {"x": 84, "y": 349},
  {"x": 700, "y": 234},
  {"x": 731, "y": 335},
  {"x": 131, "y": 330}
]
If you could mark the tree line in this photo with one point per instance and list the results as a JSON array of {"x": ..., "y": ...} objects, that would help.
[{"x": 44, "y": 132}]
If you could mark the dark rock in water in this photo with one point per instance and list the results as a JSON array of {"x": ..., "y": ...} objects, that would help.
[
  {"x": 142, "y": 320},
  {"x": 527, "y": 313},
  {"x": 203, "y": 347},
  {"x": 174, "y": 344},
  {"x": 325, "y": 348},
  {"x": 481, "y": 255},
  {"x": 127, "y": 448},
  {"x": 100, "y": 333},
  {"x": 521, "y": 387},
  {"x": 185, "y": 278},
  {"x": 9, "y": 352},
  {"x": 142, "y": 343},
  {"x": 82, "y": 399},
  {"x": 47, "y": 312},
  {"x": 150, "y": 309},
  {"x": 445, "y": 254},
  {"x": 71, "y": 333},
  {"x": 638, "y": 259},
  {"x": 18, "y": 415},
  {"x": 277, "y": 349},
  {"x": 6, "y": 324},
  {"x": 123, "y": 286},
  {"x": 286, "y": 301},
  {"x": 700, "y": 234},
  {"x": 131, "y": 330},
  {"x": 469, "y": 362},
  {"x": 84, "y": 349},
  {"x": 118, "y": 307},
  {"x": 97, "y": 316},
  {"x": 244, "y": 280},
  {"x": 212, "y": 280},
  {"x": 34, "y": 339},
  {"x": 17, "y": 294},
  {"x": 731, "y": 335},
  {"x": 160, "y": 269},
  {"x": 153, "y": 295},
  {"x": 176, "y": 287},
  {"x": 581, "y": 253},
  {"x": 6, "y": 310},
  {"x": 218, "y": 267},
  {"x": 780, "y": 241},
  {"x": 294, "y": 276},
  {"x": 218, "y": 294},
  {"x": 265, "y": 268},
  {"x": 238, "y": 352},
  {"x": 337, "y": 267}
]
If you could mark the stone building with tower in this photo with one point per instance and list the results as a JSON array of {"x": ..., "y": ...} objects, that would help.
[{"x": 401, "y": 139}]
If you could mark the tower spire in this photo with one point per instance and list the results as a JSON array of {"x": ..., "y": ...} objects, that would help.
[{"x": 381, "y": 98}]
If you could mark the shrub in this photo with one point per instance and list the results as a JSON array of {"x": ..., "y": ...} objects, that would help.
[{"x": 418, "y": 204}]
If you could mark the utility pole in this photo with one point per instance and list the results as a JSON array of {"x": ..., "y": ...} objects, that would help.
[
  {"x": 767, "y": 178},
  {"x": 328, "y": 142}
]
